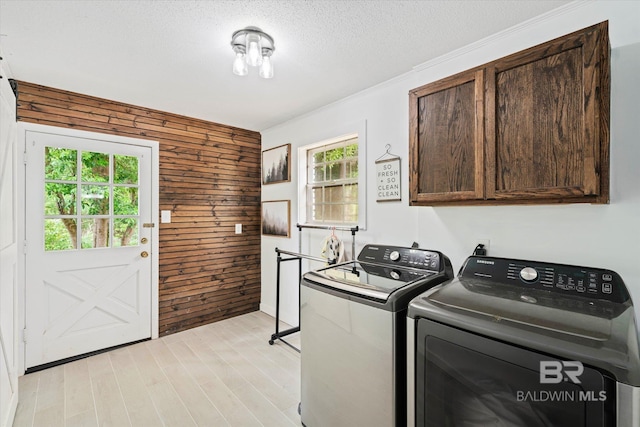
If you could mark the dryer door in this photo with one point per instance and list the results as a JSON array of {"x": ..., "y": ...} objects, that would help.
[{"x": 467, "y": 379}]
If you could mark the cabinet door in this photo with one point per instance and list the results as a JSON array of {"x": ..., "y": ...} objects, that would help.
[
  {"x": 547, "y": 121},
  {"x": 446, "y": 140}
]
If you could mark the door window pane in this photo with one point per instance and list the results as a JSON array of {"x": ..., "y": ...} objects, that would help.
[
  {"x": 60, "y": 164},
  {"x": 60, "y": 234},
  {"x": 95, "y": 200},
  {"x": 95, "y": 167},
  {"x": 103, "y": 213},
  {"x": 125, "y": 201},
  {"x": 125, "y": 232},
  {"x": 125, "y": 169},
  {"x": 59, "y": 199},
  {"x": 95, "y": 233}
]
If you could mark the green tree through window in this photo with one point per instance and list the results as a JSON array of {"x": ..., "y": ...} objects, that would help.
[{"x": 90, "y": 193}]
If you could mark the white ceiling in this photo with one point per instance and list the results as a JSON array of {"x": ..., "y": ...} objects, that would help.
[{"x": 175, "y": 55}]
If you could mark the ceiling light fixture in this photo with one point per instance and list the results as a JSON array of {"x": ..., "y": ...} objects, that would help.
[{"x": 252, "y": 47}]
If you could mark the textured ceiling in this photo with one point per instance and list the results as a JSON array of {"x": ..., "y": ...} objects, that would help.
[{"x": 174, "y": 55}]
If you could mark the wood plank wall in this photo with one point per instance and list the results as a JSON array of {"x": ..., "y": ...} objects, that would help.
[{"x": 209, "y": 179}]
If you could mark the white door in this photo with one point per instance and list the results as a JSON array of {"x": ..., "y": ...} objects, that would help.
[
  {"x": 8, "y": 255},
  {"x": 88, "y": 245}
]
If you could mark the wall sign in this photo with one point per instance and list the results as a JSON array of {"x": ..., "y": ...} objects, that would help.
[{"x": 388, "y": 178}]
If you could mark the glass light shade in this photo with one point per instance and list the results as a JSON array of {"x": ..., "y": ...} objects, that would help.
[
  {"x": 266, "y": 69},
  {"x": 254, "y": 50},
  {"x": 240, "y": 67}
]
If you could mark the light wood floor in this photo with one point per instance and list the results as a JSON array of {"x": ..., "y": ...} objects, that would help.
[{"x": 222, "y": 374}]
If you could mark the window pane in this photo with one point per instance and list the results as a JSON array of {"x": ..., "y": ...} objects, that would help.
[
  {"x": 60, "y": 163},
  {"x": 318, "y": 157},
  {"x": 60, "y": 234},
  {"x": 125, "y": 201},
  {"x": 316, "y": 195},
  {"x": 351, "y": 193},
  {"x": 95, "y": 167},
  {"x": 125, "y": 169},
  {"x": 351, "y": 150},
  {"x": 125, "y": 232},
  {"x": 95, "y": 233},
  {"x": 318, "y": 174},
  {"x": 334, "y": 194},
  {"x": 336, "y": 213},
  {"x": 352, "y": 169},
  {"x": 95, "y": 200},
  {"x": 59, "y": 199},
  {"x": 318, "y": 213},
  {"x": 335, "y": 154},
  {"x": 351, "y": 212},
  {"x": 334, "y": 171}
]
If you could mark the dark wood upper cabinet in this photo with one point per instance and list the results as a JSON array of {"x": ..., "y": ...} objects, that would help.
[
  {"x": 532, "y": 127},
  {"x": 447, "y": 160}
]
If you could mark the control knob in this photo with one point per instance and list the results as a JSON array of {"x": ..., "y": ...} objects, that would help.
[
  {"x": 394, "y": 274},
  {"x": 394, "y": 256},
  {"x": 528, "y": 274}
]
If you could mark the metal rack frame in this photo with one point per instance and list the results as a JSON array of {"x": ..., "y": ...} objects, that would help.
[{"x": 293, "y": 256}]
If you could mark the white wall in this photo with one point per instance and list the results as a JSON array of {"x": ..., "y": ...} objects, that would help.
[
  {"x": 9, "y": 364},
  {"x": 606, "y": 236}
]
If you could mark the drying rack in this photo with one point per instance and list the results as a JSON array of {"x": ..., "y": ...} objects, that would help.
[{"x": 299, "y": 256}]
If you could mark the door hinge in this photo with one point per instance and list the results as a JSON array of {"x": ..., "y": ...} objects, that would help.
[
  {"x": 24, "y": 157},
  {"x": 24, "y": 335},
  {"x": 24, "y": 247}
]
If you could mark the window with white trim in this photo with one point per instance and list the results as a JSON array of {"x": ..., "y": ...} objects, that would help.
[{"x": 332, "y": 183}]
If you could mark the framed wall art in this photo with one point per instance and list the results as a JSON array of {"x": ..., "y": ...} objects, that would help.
[
  {"x": 276, "y": 218},
  {"x": 276, "y": 164}
]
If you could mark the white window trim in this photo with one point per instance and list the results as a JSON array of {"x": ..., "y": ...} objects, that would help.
[{"x": 360, "y": 133}]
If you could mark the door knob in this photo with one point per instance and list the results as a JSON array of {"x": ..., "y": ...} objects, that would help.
[{"x": 144, "y": 254}]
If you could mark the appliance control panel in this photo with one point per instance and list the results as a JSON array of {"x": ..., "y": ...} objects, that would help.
[
  {"x": 401, "y": 257},
  {"x": 587, "y": 282}
]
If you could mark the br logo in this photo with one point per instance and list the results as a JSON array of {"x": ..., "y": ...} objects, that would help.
[{"x": 554, "y": 371}]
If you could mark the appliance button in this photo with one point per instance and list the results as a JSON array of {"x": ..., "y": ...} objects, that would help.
[
  {"x": 607, "y": 277},
  {"x": 606, "y": 288},
  {"x": 528, "y": 274}
]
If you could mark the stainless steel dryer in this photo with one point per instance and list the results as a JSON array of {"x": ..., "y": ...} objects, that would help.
[
  {"x": 523, "y": 343},
  {"x": 352, "y": 331}
]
